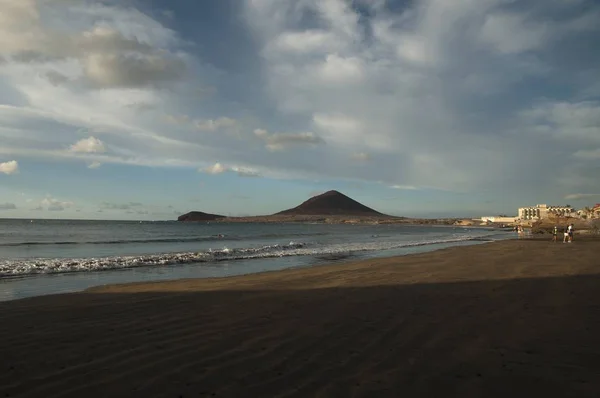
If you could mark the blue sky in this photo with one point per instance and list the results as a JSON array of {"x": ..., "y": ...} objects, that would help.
[{"x": 146, "y": 110}]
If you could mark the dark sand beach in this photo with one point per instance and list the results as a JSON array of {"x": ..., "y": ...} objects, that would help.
[{"x": 512, "y": 318}]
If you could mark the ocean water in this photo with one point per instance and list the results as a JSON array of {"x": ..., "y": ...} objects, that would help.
[{"x": 39, "y": 257}]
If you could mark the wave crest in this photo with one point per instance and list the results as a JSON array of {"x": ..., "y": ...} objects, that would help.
[{"x": 14, "y": 268}]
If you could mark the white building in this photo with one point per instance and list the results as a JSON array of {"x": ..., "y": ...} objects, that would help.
[{"x": 542, "y": 211}]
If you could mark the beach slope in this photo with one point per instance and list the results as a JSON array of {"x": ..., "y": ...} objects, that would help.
[{"x": 513, "y": 318}]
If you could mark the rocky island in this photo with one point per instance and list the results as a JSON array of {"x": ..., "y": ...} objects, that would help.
[{"x": 199, "y": 216}]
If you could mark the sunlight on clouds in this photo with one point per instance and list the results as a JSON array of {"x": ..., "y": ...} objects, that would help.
[
  {"x": 430, "y": 117},
  {"x": 341, "y": 70},
  {"x": 126, "y": 54},
  {"x": 219, "y": 168},
  {"x": 88, "y": 145},
  {"x": 120, "y": 70},
  {"x": 340, "y": 127},
  {"x": 245, "y": 172},
  {"x": 414, "y": 49},
  {"x": 10, "y": 167},
  {"x": 309, "y": 41},
  {"x": 405, "y": 187},
  {"x": 216, "y": 168},
  {"x": 452, "y": 95}
]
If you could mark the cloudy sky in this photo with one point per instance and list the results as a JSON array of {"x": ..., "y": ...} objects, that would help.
[{"x": 133, "y": 109}]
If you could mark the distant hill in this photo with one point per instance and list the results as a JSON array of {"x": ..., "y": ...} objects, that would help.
[
  {"x": 331, "y": 203},
  {"x": 199, "y": 216}
]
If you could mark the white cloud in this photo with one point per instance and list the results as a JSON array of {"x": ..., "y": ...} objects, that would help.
[
  {"x": 88, "y": 145},
  {"x": 341, "y": 70},
  {"x": 219, "y": 168},
  {"x": 261, "y": 133},
  {"x": 10, "y": 167},
  {"x": 580, "y": 196},
  {"x": 216, "y": 168},
  {"x": 404, "y": 187},
  {"x": 94, "y": 165},
  {"x": 305, "y": 42},
  {"x": 245, "y": 172},
  {"x": 415, "y": 50},
  {"x": 8, "y": 206},
  {"x": 51, "y": 204},
  {"x": 341, "y": 129}
]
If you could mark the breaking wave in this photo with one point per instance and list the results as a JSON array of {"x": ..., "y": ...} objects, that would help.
[{"x": 23, "y": 267}]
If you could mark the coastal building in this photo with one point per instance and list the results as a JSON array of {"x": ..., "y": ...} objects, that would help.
[
  {"x": 590, "y": 212},
  {"x": 543, "y": 211}
]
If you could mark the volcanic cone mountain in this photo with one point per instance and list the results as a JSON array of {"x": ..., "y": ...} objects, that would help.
[{"x": 331, "y": 203}]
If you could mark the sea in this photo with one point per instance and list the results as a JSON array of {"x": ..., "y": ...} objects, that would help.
[{"x": 41, "y": 257}]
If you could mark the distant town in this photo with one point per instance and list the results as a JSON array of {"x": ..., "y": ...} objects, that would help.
[{"x": 541, "y": 212}]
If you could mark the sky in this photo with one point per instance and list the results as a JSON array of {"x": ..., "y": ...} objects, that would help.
[{"x": 136, "y": 109}]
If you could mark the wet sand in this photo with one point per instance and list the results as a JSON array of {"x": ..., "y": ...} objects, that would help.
[{"x": 513, "y": 318}]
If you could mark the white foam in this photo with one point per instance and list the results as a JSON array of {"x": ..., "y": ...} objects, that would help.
[{"x": 12, "y": 268}]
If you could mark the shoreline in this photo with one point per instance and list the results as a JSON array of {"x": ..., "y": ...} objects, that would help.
[
  {"x": 513, "y": 317},
  {"x": 45, "y": 284},
  {"x": 324, "y": 268},
  {"x": 327, "y": 266}
]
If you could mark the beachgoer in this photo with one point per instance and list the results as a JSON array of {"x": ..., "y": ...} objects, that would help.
[
  {"x": 566, "y": 235},
  {"x": 570, "y": 231},
  {"x": 555, "y": 234}
]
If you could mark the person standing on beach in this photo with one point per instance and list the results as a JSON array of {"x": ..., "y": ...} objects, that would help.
[
  {"x": 555, "y": 234},
  {"x": 570, "y": 231},
  {"x": 566, "y": 235}
]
